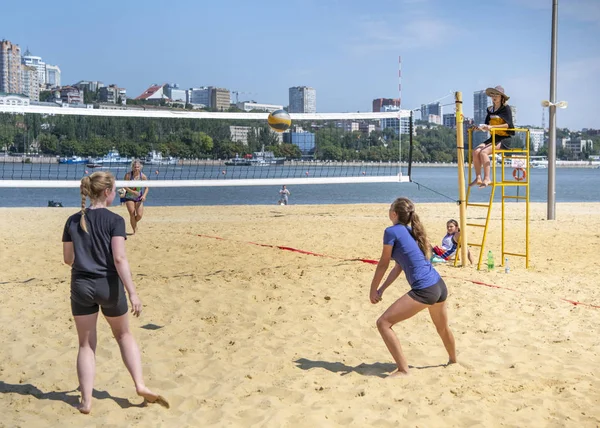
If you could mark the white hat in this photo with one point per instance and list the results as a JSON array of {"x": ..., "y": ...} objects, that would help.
[{"x": 498, "y": 90}]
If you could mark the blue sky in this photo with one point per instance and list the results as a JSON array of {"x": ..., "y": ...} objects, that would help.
[{"x": 347, "y": 49}]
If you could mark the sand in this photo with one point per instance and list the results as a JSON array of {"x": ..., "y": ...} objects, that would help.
[{"x": 239, "y": 335}]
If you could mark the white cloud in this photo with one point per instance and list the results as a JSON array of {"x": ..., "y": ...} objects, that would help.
[{"x": 383, "y": 34}]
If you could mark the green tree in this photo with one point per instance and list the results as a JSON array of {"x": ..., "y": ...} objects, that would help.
[
  {"x": 46, "y": 96},
  {"x": 48, "y": 144},
  {"x": 228, "y": 149},
  {"x": 289, "y": 151},
  {"x": 329, "y": 153}
]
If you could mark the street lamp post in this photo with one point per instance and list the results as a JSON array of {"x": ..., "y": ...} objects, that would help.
[
  {"x": 552, "y": 118},
  {"x": 552, "y": 155}
]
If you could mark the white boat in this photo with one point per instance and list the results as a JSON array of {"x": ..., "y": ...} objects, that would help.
[
  {"x": 538, "y": 162},
  {"x": 113, "y": 157},
  {"x": 73, "y": 160},
  {"x": 238, "y": 161},
  {"x": 263, "y": 158},
  {"x": 156, "y": 158}
]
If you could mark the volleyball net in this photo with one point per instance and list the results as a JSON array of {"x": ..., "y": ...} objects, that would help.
[{"x": 44, "y": 146}]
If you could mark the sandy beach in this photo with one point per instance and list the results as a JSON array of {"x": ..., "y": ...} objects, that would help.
[{"x": 237, "y": 334}]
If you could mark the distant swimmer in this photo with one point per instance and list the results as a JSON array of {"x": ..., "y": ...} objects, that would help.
[{"x": 284, "y": 194}]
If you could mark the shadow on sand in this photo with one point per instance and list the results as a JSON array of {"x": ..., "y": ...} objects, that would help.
[
  {"x": 376, "y": 369},
  {"x": 69, "y": 397}
]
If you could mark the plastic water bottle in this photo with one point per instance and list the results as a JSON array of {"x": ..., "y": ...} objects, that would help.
[
  {"x": 506, "y": 267},
  {"x": 490, "y": 260}
]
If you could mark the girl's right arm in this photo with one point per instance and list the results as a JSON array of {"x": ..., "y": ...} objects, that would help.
[
  {"x": 122, "y": 265},
  {"x": 382, "y": 266},
  {"x": 396, "y": 270}
]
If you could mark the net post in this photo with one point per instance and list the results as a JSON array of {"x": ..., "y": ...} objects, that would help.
[{"x": 460, "y": 153}]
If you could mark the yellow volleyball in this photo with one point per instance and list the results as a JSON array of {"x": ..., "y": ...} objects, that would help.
[{"x": 279, "y": 120}]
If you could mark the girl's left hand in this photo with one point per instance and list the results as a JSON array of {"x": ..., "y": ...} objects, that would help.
[
  {"x": 375, "y": 297},
  {"x": 143, "y": 198}
]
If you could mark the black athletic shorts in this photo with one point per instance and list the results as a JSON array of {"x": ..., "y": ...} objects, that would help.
[
  {"x": 89, "y": 293},
  {"x": 504, "y": 142},
  {"x": 431, "y": 295}
]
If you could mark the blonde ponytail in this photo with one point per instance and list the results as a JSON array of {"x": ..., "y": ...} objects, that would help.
[
  {"x": 85, "y": 192},
  {"x": 92, "y": 187}
]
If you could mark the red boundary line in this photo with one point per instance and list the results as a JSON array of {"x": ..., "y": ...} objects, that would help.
[{"x": 374, "y": 262}]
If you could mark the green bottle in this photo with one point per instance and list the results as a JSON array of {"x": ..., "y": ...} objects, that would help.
[{"x": 490, "y": 260}]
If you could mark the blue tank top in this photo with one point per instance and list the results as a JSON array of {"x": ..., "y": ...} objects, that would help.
[{"x": 406, "y": 252}]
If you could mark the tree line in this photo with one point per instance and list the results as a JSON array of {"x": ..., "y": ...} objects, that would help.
[{"x": 94, "y": 136}]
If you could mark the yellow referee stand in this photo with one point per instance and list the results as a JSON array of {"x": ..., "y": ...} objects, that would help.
[{"x": 517, "y": 158}]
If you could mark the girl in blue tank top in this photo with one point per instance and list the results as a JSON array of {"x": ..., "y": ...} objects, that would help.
[{"x": 406, "y": 243}]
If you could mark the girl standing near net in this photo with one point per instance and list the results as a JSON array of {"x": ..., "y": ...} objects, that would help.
[
  {"x": 135, "y": 196},
  {"x": 406, "y": 243},
  {"x": 94, "y": 247}
]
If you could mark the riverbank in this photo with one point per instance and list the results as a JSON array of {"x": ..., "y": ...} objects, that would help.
[{"x": 218, "y": 162}]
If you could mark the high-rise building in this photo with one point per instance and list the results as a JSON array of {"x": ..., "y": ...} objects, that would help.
[
  {"x": 35, "y": 61},
  {"x": 427, "y": 110},
  {"x": 480, "y": 104},
  {"x": 379, "y": 103},
  {"x": 11, "y": 79},
  {"x": 31, "y": 84},
  {"x": 220, "y": 98},
  {"x": 449, "y": 120},
  {"x": 52, "y": 76},
  {"x": 303, "y": 99}
]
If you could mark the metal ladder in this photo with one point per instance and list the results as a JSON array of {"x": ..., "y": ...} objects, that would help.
[{"x": 519, "y": 158}]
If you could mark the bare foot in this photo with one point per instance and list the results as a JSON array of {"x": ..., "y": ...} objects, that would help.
[
  {"x": 476, "y": 182},
  {"x": 85, "y": 408},
  {"x": 151, "y": 397},
  {"x": 397, "y": 373},
  {"x": 450, "y": 361},
  {"x": 485, "y": 183}
]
